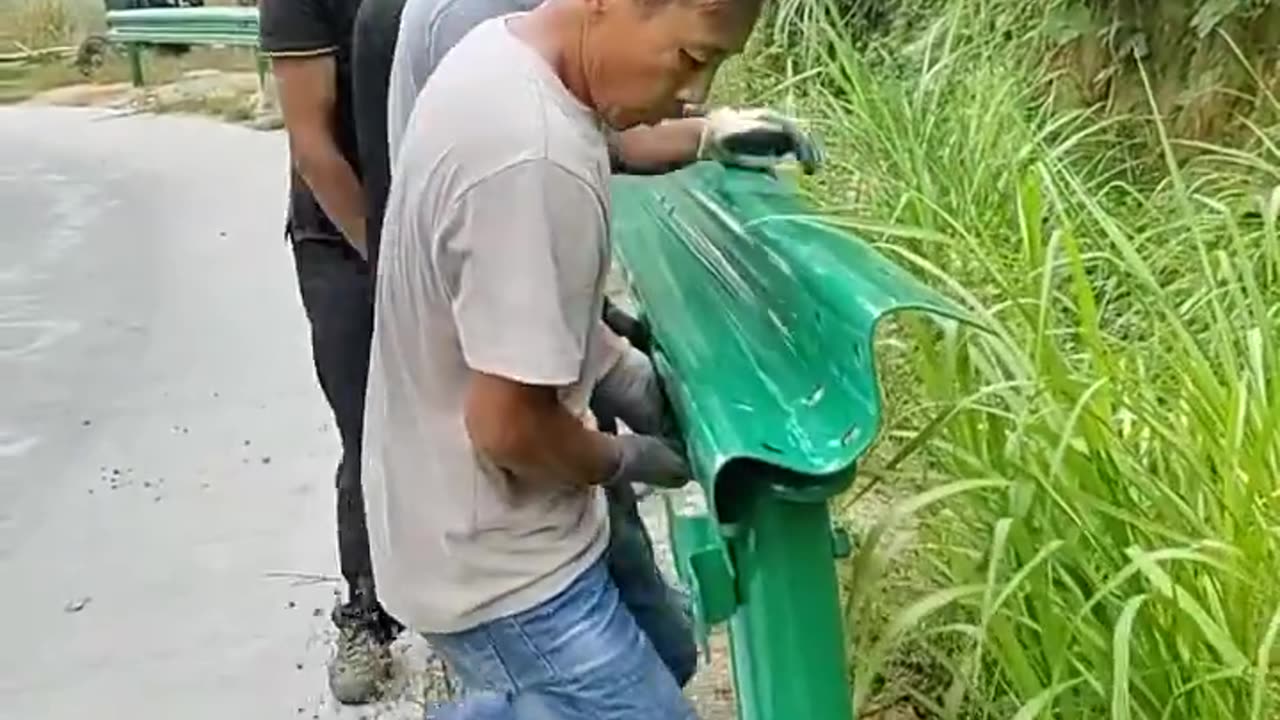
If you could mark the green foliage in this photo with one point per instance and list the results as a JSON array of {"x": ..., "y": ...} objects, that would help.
[
  {"x": 1098, "y": 472},
  {"x": 1208, "y": 61}
]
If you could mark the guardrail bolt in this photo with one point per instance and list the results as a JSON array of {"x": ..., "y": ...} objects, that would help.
[{"x": 841, "y": 542}]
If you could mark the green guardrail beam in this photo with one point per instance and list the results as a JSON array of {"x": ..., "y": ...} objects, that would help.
[
  {"x": 763, "y": 321},
  {"x": 211, "y": 26}
]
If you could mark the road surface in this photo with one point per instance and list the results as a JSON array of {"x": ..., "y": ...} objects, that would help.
[{"x": 166, "y": 503}]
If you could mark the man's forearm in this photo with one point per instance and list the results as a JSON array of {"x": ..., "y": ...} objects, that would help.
[
  {"x": 561, "y": 451},
  {"x": 334, "y": 183},
  {"x": 529, "y": 433},
  {"x": 655, "y": 149}
]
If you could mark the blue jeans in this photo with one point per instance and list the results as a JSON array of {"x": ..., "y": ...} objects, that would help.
[{"x": 578, "y": 656}]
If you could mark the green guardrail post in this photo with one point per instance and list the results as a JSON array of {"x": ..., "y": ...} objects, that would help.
[
  {"x": 788, "y": 669},
  {"x": 763, "y": 319},
  {"x": 262, "y": 65},
  {"x": 134, "y": 51},
  {"x": 137, "y": 28}
]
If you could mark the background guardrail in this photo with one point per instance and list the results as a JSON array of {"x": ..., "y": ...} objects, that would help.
[{"x": 209, "y": 26}]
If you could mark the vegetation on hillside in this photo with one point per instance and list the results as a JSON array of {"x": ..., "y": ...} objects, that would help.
[{"x": 1097, "y": 475}]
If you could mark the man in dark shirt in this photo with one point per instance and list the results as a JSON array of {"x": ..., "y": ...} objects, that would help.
[{"x": 309, "y": 42}]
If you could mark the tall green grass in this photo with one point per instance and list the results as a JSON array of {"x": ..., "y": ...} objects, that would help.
[
  {"x": 36, "y": 24},
  {"x": 1096, "y": 474}
]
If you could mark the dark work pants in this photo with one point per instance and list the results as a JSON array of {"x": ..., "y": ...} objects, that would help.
[
  {"x": 658, "y": 609},
  {"x": 337, "y": 292}
]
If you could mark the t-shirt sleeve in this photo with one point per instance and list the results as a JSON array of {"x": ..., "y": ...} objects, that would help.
[
  {"x": 522, "y": 253},
  {"x": 453, "y": 21},
  {"x": 296, "y": 28}
]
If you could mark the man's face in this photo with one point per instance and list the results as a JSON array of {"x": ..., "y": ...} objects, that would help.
[{"x": 645, "y": 60}]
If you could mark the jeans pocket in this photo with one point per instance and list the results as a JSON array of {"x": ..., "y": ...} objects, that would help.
[
  {"x": 584, "y": 631},
  {"x": 474, "y": 658},
  {"x": 578, "y": 656}
]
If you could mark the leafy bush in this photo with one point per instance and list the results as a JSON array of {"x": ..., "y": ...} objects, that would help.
[{"x": 42, "y": 23}]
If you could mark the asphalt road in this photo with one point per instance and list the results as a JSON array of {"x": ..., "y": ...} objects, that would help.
[{"x": 166, "y": 458}]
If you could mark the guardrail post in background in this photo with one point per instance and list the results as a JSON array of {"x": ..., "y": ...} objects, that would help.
[
  {"x": 209, "y": 26},
  {"x": 763, "y": 321},
  {"x": 268, "y": 100},
  {"x": 135, "y": 64}
]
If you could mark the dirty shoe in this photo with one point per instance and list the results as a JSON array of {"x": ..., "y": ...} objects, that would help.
[{"x": 360, "y": 665}]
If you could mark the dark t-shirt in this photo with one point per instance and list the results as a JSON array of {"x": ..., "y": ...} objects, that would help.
[
  {"x": 377, "y": 24},
  {"x": 303, "y": 28}
]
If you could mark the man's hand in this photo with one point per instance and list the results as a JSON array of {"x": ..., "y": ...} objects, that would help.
[
  {"x": 526, "y": 431},
  {"x": 756, "y": 138},
  {"x": 626, "y": 326},
  {"x": 631, "y": 392},
  {"x": 648, "y": 460},
  {"x": 308, "y": 87}
]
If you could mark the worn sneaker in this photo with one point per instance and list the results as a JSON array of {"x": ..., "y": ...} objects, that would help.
[
  {"x": 359, "y": 667},
  {"x": 439, "y": 688}
]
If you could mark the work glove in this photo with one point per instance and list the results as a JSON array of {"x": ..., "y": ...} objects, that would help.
[
  {"x": 631, "y": 392},
  {"x": 648, "y": 460},
  {"x": 756, "y": 138},
  {"x": 626, "y": 326}
]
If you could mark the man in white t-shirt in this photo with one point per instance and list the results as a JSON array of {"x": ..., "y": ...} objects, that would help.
[
  {"x": 391, "y": 75},
  {"x": 487, "y": 520}
]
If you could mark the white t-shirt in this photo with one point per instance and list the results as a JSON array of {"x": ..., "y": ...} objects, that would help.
[{"x": 494, "y": 255}]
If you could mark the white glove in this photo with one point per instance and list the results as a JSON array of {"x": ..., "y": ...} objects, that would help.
[{"x": 756, "y": 138}]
